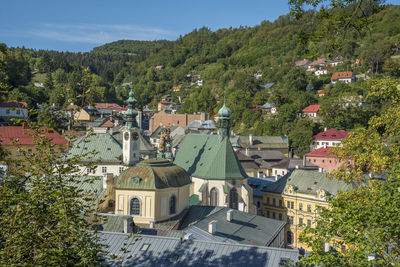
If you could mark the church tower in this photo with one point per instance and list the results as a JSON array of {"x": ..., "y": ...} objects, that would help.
[
  {"x": 224, "y": 115},
  {"x": 130, "y": 133}
]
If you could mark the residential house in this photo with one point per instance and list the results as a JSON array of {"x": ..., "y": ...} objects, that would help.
[
  {"x": 258, "y": 184},
  {"x": 320, "y": 62},
  {"x": 163, "y": 105},
  {"x": 297, "y": 198},
  {"x": 322, "y": 92},
  {"x": 167, "y": 120},
  {"x": 270, "y": 108},
  {"x": 108, "y": 108},
  {"x": 311, "y": 112},
  {"x": 345, "y": 77},
  {"x": 331, "y": 137},
  {"x": 85, "y": 114},
  {"x": 323, "y": 159},
  {"x": 15, "y": 138},
  {"x": 177, "y": 88},
  {"x": 249, "y": 165},
  {"x": 303, "y": 63},
  {"x": 279, "y": 143},
  {"x": 16, "y": 110},
  {"x": 159, "y": 67},
  {"x": 323, "y": 71}
]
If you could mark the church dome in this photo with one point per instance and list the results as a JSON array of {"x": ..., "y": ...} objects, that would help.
[
  {"x": 224, "y": 111},
  {"x": 153, "y": 174}
]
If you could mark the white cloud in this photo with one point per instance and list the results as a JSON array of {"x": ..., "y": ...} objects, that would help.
[{"x": 100, "y": 33}]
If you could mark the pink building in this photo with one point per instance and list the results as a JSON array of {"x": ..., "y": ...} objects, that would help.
[{"x": 323, "y": 159}]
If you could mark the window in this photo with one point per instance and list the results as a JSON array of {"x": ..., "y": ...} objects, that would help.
[
  {"x": 258, "y": 204},
  {"x": 30, "y": 150},
  {"x": 280, "y": 216},
  {"x": 135, "y": 206},
  {"x": 309, "y": 208},
  {"x": 267, "y": 214},
  {"x": 309, "y": 223},
  {"x": 315, "y": 160},
  {"x": 280, "y": 202},
  {"x": 18, "y": 111},
  {"x": 121, "y": 169},
  {"x": 273, "y": 202},
  {"x": 319, "y": 209},
  {"x": 323, "y": 161},
  {"x": 330, "y": 161},
  {"x": 343, "y": 248},
  {"x": 267, "y": 200},
  {"x": 145, "y": 247},
  {"x": 300, "y": 220},
  {"x": 276, "y": 172},
  {"x": 88, "y": 170},
  {"x": 214, "y": 196},
  {"x": 273, "y": 215},
  {"x": 283, "y": 172},
  {"x": 300, "y": 206},
  {"x": 289, "y": 237},
  {"x": 233, "y": 199},
  {"x": 7, "y": 111},
  {"x": 104, "y": 169},
  {"x": 291, "y": 219},
  {"x": 172, "y": 204},
  {"x": 208, "y": 253}
]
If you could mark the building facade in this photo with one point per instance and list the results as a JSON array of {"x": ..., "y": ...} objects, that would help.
[
  {"x": 298, "y": 199},
  {"x": 167, "y": 120}
]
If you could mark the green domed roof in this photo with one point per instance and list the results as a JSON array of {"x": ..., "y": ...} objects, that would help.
[
  {"x": 224, "y": 111},
  {"x": 153, "y": 174}
]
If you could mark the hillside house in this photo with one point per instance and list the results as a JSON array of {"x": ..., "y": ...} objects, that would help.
[
  {"x": 17, "y": 110},
  {"x": 311, "y": 112},
  {"x": 345, "y": 77},
  {"x": 331, "y": 137},
  {"x": 323, "y": 158}
]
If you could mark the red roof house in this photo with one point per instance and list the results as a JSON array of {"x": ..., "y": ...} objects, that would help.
[
  {"x": 331, "y": 137},
  {"x": 346, "y": 77},
  {"x": 323, "y": 158},
  {"x": 311, "y": 111},
  {"x": 21, "y": 134},
  {"x": 177, "y": 88}
]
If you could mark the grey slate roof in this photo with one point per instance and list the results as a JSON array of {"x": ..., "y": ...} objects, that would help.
[
  {"x": 308, "y": 182},
  {"x": 168, "y": 251},
  {"x": 258, "y": 184},
  {"x": 208, "y": 124},
  {"x": 245, "y": 228}
]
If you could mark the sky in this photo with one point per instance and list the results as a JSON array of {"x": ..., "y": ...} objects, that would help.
[{"x": 78, "y": 26}]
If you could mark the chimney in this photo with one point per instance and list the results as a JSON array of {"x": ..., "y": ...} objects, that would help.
[
  {"x": 325, "y": 129},
  {"x": 321, "y": 169},
  {"x": 229, "y": 215},
  {"x": 247, "y": 151},
  {"x": 297, "y": 166},
  {"x": 212, "y": 227},
  {"x": 152, "y": 224},
  {"x": 107, "y": 178},
  {"x": 128, "y": 225},
  {"x": 251, "y": 139},
  {"x": 276, "y": 177},
  {"x": 188, "y": 236}
]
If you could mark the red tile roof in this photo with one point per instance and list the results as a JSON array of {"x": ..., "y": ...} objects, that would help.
[
  {"x": 342, "y": 75},
  {"x": 320, "y": 152},
  {"x": 112, "y": 106},
  {"x": 14, "y": 104},
  {"x": 311, "y": 109},
  {"x": 331, "y": 134},
  {"x": 177, "y": 88},
  {"x": 8, "y": 134}
]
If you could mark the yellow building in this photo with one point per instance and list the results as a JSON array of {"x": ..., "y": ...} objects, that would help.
[
  {"x": 153, "y": 190},
  {"x": 298, "y": 198}
]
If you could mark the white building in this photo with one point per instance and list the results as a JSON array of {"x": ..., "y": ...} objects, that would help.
[{"x": 17, "y": 110}]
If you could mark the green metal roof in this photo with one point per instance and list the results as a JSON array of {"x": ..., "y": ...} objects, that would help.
[
  {"x": 201, "y": 189},
  {"x": 225, "y": 188},
  {"x": 208, "y": 157},
  {"x": 107, "y": 148},
  {"x": 153, "y": 174},
  {"x": 194, "y": 200},
  {"x": 308, "y": 182},
  {"x": 276, "y": 142},
  {"x": 224, "y": 112}
]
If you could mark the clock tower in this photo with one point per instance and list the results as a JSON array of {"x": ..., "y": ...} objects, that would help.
[{"x": 130, "y": 145}]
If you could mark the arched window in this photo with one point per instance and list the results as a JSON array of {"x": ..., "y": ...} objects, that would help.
[
  {"x": 289, "y": 238},
  {"x": 214, "y": 196},
  {"x": 233, "y": 199},
  {"x": 172, "y": 204},
  {"x": 135, "y": 206}
]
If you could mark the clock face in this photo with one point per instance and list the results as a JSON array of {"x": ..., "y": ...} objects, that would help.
[
  {"x": 126, "y": 136},
  {"x": 135, "y": 136}
]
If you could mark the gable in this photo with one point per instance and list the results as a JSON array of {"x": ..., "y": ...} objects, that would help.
[{"x": 205, "y": 156}]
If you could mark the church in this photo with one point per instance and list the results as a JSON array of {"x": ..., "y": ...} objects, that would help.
[{"x": 218, "y": 178}]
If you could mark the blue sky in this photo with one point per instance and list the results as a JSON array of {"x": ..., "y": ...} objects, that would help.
[{"x": 72, "y": 25}]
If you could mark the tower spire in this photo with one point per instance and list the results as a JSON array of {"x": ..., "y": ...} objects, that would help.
[
  {"x": 224, "y": 120},
  {"x": 131, "y": 112}
]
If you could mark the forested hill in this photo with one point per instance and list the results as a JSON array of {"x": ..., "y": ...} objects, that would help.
[{"x": 227, "y": 60}]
